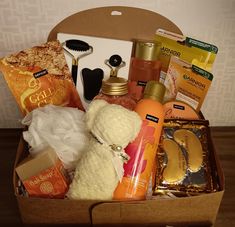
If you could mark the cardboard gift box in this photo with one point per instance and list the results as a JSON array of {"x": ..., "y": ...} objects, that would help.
[{"x": 123, "y": 23}]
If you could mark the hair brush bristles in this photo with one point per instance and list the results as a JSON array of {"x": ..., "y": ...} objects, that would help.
[{"x": 77, "y": 45}]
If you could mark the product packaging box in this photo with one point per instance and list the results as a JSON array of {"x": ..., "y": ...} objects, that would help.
[
  {"x": 96, "y": 60},
  {"x": 191, "y": 50},
  {"x": 124, "y": 23},
  {"x": 43, "y": 175},
  {"x": 187, "y": 83}
]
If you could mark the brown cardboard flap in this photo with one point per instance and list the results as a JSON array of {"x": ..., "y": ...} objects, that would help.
[
  {"x": 219, "y": 171},
  {"x": 54, "y": 211},
  {"x": 116, "y": 22},
  {"x": 192, "y": 210},
  {"x": 20, "y": 155}
]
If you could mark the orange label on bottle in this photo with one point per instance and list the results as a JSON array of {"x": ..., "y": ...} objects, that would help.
[
  {"x": 142, "y": 152},
  {"x": 138, "y": 170},
  {"x": 49, "y": 183}
]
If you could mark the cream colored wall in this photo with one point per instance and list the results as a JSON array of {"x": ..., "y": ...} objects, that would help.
[{"x": 26, "y": 23}]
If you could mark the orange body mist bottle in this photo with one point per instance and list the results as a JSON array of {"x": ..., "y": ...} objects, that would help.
[{"x": 142, "y": 151}]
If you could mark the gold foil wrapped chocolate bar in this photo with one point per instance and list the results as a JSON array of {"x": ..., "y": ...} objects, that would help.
[{"x": 183, "y": 160}]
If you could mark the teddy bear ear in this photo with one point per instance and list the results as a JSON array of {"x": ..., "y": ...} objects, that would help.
[{"x": 94, "y": 108}]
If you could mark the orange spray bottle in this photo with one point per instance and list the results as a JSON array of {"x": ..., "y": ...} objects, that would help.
[{"x": 142, "y": 150}]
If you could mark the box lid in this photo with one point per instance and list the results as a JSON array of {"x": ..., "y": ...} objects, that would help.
[
  {"x": 183, "y": 210},
  {"x": 116, "y": 22}
]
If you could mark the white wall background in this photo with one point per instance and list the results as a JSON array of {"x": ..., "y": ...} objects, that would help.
[{"x": 26, "y": 23}]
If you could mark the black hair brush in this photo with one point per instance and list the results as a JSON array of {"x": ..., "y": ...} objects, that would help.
[{"x": 78, "y": 46}]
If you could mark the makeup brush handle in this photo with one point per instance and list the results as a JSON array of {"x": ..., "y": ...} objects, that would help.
[{"x": 74, "y": 73}]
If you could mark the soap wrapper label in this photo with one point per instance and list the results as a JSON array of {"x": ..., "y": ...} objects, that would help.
[{"x": 49, "y": 183}]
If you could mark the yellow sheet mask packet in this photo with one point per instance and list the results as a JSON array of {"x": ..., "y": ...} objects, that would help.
[
  {"x": 187, "y": 83},
  {"x": 194, "y": 51}
]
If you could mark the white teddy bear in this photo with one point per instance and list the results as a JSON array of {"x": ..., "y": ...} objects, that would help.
[{"x": 100, "y": 168}]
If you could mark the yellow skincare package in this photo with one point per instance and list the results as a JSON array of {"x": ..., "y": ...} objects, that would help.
[
  {"x": 186, "y": 82},
  {"x": 193, "y": 51}
]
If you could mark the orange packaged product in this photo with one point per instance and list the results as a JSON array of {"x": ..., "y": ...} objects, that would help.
[
  {"x": 44, "y": 175},
  {"x": 142, "y": 151},
  {"x": 40, "y": 76}
]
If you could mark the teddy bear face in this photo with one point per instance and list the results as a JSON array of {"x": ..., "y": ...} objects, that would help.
[{"x": 112, "y": 123}]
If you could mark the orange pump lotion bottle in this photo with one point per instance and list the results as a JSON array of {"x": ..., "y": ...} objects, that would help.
[{"x": 142, "y": 151}]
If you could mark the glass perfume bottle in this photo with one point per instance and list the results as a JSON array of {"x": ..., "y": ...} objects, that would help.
[
  {"x": 114, "y": 90},
  {"x": 144, "y": 66}
]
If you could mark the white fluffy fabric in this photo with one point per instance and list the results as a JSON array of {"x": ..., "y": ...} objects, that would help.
[
  {"x": 95, "y": 175},
  {"x": 62, "y": 128}
]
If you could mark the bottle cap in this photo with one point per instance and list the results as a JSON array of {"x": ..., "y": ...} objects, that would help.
[
  {"x": 147, "y": 50},
  {"x": 115, "y": 86},
  {"x": 154, "y": 90}
]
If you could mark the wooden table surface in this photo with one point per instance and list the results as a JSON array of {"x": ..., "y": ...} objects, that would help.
[{"x": 223, "y": 137}]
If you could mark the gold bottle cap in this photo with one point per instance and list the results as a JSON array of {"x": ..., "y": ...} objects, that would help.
[
  {"x": 115, "y": 86},
  {"x": 147, "y": 50},
  {"x": 154, "y": 90}
]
